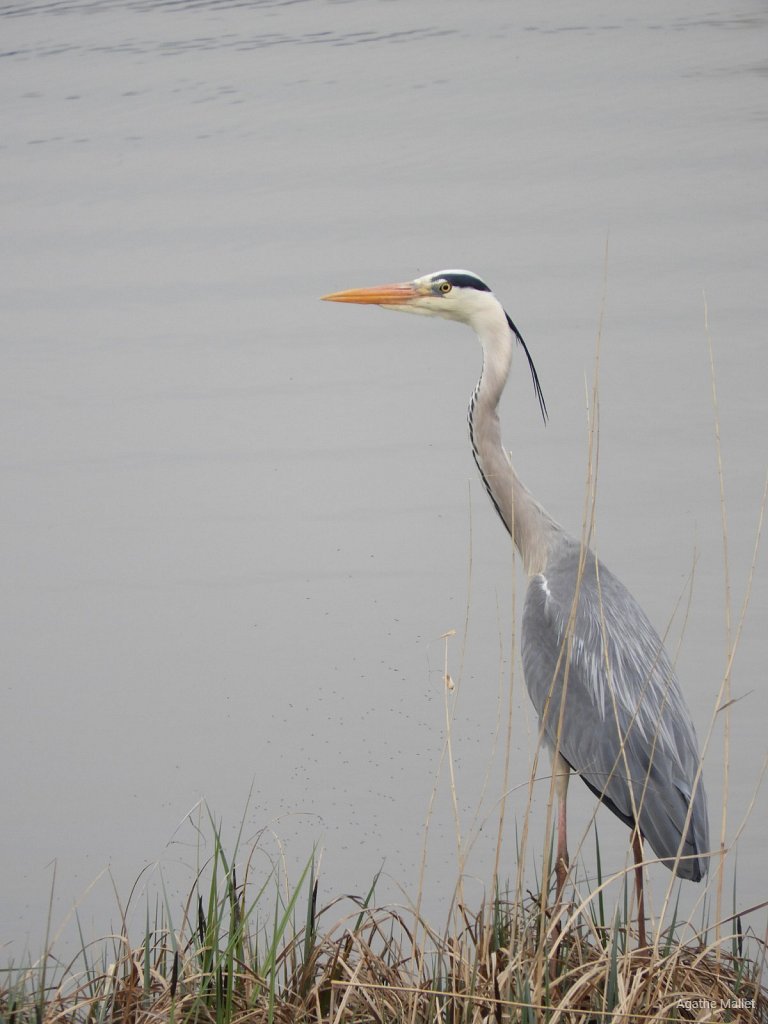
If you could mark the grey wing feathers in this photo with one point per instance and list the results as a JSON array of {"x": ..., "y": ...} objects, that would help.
[{"x": 625, "y": 729}]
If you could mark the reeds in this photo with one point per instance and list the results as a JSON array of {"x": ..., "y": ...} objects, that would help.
[{"x": 250, "y": 948}]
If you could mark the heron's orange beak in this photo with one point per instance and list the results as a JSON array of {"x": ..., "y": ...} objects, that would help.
[{"x": 381, "y": 295}]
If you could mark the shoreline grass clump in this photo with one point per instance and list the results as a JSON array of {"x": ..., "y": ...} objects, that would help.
[{"x": 254, "y": 949}]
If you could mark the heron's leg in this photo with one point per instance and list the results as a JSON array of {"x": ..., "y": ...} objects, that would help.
[
  {"x": 562, "y": 777},
  {"x": 637, "y": 850}
]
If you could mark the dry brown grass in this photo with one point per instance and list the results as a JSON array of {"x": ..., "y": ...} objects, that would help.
[{"x": 368, "y": 966}]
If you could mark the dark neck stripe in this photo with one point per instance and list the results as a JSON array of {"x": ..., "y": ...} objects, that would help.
[{"x": 476, "y": 455}]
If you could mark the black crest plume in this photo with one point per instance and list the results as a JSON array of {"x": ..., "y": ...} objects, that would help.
[{"x": 534, "y": 375}]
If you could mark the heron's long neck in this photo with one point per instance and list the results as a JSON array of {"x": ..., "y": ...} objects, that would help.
[{"x": 530, "y": 526}]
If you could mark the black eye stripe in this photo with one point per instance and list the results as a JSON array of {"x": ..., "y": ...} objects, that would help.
[{"x": 463, "y": 281}]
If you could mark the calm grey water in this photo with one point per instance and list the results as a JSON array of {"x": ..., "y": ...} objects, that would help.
[{"x": 236, "y": 521}]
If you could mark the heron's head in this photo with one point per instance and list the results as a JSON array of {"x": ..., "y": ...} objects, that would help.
[{"x": 452, "y": 294}]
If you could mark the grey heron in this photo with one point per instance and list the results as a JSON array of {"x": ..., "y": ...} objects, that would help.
[{"x": 609, "y": 703}]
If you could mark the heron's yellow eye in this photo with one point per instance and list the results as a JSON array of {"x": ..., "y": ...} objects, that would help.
[{"x": 445, "y": 287}]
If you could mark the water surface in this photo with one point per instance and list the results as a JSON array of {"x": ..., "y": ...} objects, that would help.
[{"x": 236, "y": 522}]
